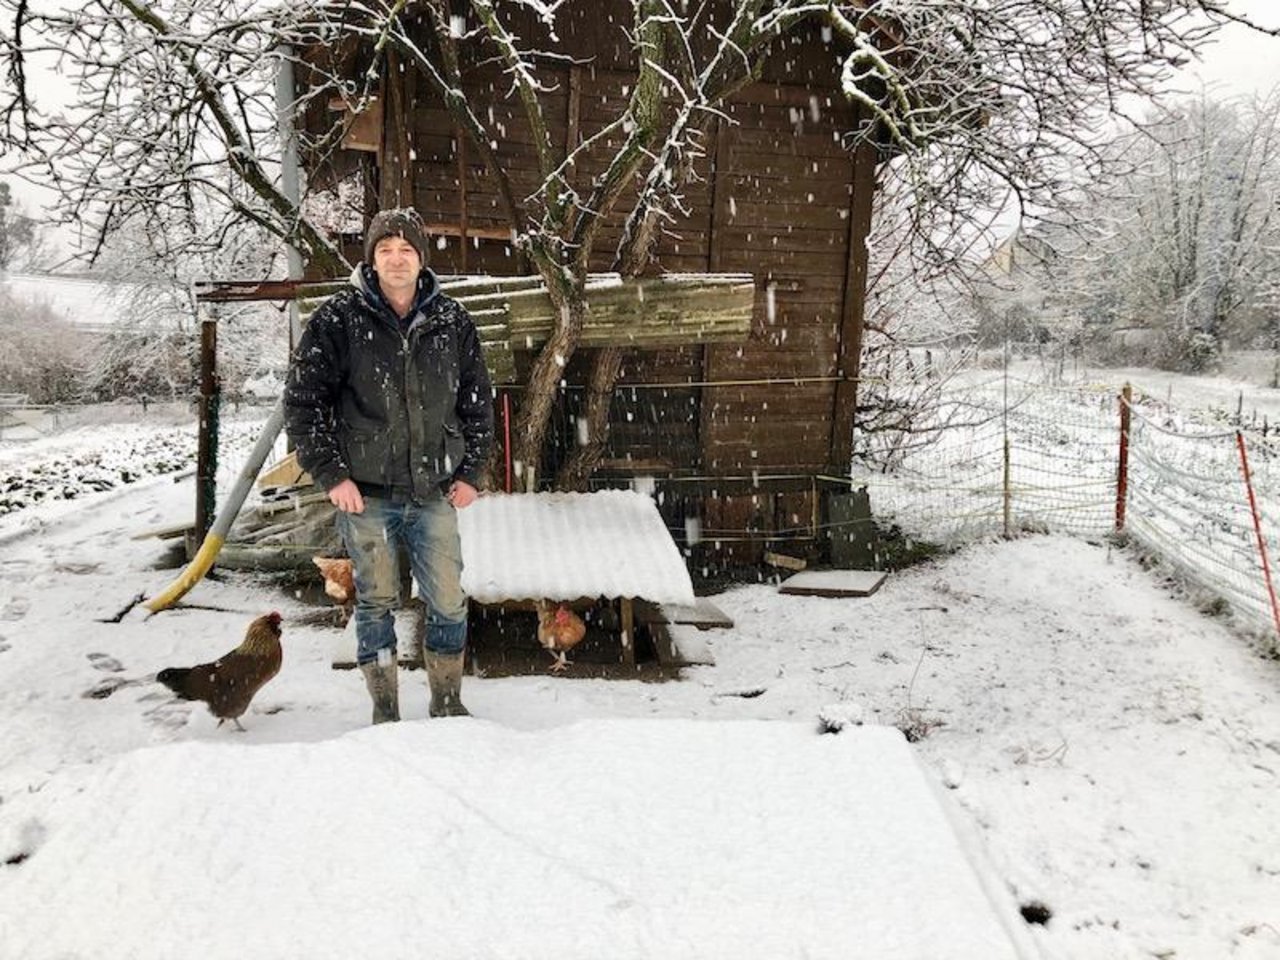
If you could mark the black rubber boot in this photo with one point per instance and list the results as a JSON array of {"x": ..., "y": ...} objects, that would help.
[
  {"x": 383, "y": 683},
  {"x": 444, "y": 679}
]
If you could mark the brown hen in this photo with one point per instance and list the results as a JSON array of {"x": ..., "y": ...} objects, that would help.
[
  {"x": 339, "y": 582},
  {"x": 229, "y": 683},
  {"x": 559, "y": 630}
]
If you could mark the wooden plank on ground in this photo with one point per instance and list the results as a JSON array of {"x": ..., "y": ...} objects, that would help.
[
  {"x": 834, "y": 583},
  {"x": 286, "y": 472},
  {"x": 703, "y": 615},
  {"x": 170, "y": 532}
]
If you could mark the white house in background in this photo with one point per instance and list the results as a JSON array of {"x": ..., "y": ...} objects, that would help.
[{"x": 91, "y": 304}]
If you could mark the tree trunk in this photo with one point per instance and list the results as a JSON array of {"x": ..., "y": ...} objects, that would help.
[
  {"x": 577, "y": 470},
  {"x": 634, "y": 256},
  {"x": 544, "y": 379}
]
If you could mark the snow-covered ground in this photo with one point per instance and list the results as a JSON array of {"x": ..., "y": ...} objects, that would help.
[{"x": 1098, "y": 747}]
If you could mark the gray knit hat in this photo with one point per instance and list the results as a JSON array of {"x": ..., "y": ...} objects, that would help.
[{"x": 403, "y": 222}]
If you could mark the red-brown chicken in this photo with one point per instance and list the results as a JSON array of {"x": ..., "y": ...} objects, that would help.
[
  {"x": 339, "y": 582},
  {"x": 559, "y": 630},
  {"x": 229, "y": 683}
]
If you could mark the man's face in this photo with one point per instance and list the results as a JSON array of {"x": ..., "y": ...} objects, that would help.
[{"x": 396, "y": 263}]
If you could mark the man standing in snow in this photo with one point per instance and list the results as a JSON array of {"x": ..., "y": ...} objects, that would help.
[{"x": 389, "y": 406}]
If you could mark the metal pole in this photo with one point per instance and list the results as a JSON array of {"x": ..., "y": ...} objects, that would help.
[
  {"x": 289, "y": 175},
  {"x": 217, "y": 534}
]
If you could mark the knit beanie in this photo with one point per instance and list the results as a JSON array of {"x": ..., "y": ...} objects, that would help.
[{"x": 403, "y": 222}]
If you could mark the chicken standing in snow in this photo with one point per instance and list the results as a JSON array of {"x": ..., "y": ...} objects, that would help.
[
  {"x": 339, "y": 582},
  {"x": 229, "y": 683},
  {"x": 559, "y": 630}
]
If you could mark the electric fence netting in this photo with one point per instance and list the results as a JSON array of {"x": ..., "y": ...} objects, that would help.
[{"x": 1007, "y": 455}]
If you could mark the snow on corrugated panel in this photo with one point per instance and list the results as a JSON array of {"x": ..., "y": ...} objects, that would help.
[{"x": 561, "y": 546}]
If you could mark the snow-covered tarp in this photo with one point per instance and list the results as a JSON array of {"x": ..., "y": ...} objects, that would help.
[{"x": 623, "y": 839}]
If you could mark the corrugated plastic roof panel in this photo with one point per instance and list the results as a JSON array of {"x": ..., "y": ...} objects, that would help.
[{"x": 561, "y": 546}]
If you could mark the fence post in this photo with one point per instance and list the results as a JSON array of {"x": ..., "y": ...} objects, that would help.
[
  {"x": 1008, "y": 488},
  {"x": 1007, "y": 491},
  {"x": 207, "y": 446},
  {"x": 1257, "y": 527},
  {"x": 1122, "y": 471}
]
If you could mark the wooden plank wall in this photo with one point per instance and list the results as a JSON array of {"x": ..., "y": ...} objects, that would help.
[
  {"x": 782, "y": 207},
  {"x": 773, "y": 199}
]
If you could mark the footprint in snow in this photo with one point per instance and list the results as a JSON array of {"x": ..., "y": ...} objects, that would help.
[
  {"x": 14, "y": 608},
  {"x": 106, "y": 662},
  {"x": 169, "y": 715},
  {"x": 30, "y": 837},
  {"x": 15, "y": 569},
  {"x": 106, "y": 687}
]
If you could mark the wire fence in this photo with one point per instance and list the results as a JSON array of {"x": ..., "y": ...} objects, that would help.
[{"x": 1010, "y": 455}]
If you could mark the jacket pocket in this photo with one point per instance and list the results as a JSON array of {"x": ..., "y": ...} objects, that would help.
[{"x": 455, "y": 448}]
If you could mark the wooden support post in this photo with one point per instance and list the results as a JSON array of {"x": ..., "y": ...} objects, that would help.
[
  {"x": 1006, "y": 493},
  {"x": 720, "y": 214},
  {"x": 207, "y": 444},
  {"x": 628, "y": 632},
  {"x": 396, "y": 182},
  {"x": 460, "y": 138},
  {"x": 853, "y": 310},
  {"x": 1122, "y": 471}
]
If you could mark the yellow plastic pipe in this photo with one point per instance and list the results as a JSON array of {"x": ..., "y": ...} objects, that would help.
[{"x": 200, "y": 564}]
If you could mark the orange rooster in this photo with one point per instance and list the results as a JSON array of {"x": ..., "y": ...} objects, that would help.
[
  {"x": 339, "y": 582},
  {"x": 559, "y": 630},
  {"x": 229, "y": 683}
]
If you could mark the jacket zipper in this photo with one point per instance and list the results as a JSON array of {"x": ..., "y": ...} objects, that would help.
[{"x": 406, "y": 366}]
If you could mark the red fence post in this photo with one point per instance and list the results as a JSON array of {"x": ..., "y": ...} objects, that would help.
[
  {"x": 1257, "y": 527},
  {"x": 1122, "y": 473},
  {"x": 506, "y": 437}
]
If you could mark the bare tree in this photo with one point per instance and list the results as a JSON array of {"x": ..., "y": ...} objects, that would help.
[
  {"x": 1177, "y": 241},
  {"x": 1202, "y": 231},
  {"x": 44, "y": 354},
  {"x": 172, "y": 126},
  {"x": 1010, "y": 105},
  {"x": 20, "y": 239},
  {"x": 982, "y": 102}
]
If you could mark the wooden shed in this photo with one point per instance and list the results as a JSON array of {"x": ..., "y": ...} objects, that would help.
[{"x": 744, "y": 439}]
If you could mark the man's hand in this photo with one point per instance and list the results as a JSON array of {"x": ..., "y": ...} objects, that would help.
[
  {"x": 461, "y": 494},
  {"x": 346, "y": 497}
]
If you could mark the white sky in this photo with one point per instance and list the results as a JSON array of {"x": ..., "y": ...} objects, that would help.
[{"x": 1241, "y": 61}]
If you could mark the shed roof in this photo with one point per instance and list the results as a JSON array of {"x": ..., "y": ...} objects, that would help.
[{"x": 562, "y": 546}]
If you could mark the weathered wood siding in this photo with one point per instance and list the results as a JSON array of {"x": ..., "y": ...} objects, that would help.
[{"x": 774, "y": 196}]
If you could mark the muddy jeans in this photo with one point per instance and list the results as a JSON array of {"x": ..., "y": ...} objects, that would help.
[{"x": 429, "y": 533}]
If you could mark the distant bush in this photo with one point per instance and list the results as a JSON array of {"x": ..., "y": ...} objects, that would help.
[{"x": 43, "y": 355}]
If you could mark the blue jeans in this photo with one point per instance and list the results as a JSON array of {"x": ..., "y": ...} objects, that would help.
[{"x": 429, "y": 533}]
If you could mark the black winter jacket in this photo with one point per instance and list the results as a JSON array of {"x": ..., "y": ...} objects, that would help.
[{"x": 400, "y": 410}]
